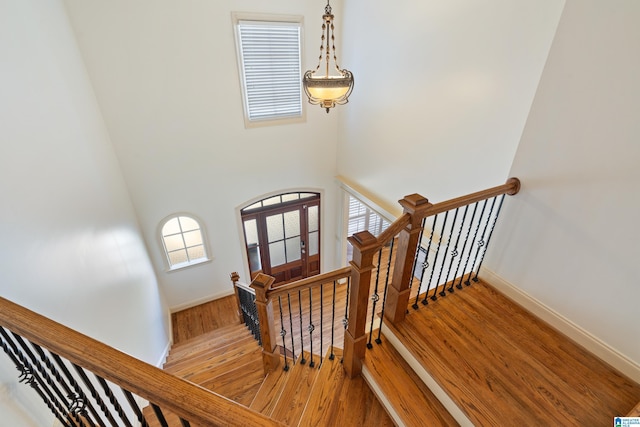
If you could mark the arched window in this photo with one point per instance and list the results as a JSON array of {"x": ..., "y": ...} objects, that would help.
[{"x": 183, "y": 241}]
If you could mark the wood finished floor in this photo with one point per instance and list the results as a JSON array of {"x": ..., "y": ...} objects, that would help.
[{"x": 510, "y": 368}]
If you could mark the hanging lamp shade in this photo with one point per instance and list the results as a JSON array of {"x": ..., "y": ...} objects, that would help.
[{"x": 328, "y": 90}]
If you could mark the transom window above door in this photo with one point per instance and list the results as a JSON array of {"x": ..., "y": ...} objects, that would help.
[{"x": 282, "y": 236}]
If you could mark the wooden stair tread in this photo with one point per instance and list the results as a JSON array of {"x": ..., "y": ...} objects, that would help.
[
  {"x": 202, "y": 374},
  {"x": 402, "y": 388},
  {"x": 239, "y": 384},
  {"x": 294, "y": 396},
  {"x": 337, "y": 400},
  {"x": 270, "y": 390},
  {"x": 500, "y": 363},
  {"x": 218, "y": 337},
  {"x": 214, "y": 356},
  {"x": 635, "y": 412}
]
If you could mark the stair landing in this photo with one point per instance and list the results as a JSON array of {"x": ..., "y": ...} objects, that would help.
[{"x": 503, "y": 366}]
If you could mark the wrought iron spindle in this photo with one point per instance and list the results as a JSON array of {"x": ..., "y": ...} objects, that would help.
[
  {"x": 481, "y": 241},
  {"x": 473, "y": 240},
  {"x": 495, "y": 219},
  {"x": 455, "y": 253},
  {"x": 27, "y": 377},
  {"x": 435, "y": 259},
  {"x": 311, "y": 328},
  {"x": 293, "y": 348},
  {"x": 415, "y": 258},
  {"x": 384, "y": 294},
  {"x": 283, "y": 333},
  {"x": 95, "y": 395},
  {"x": 446, "y": 252},
  {"x": 425, "y": 264},
  {"x": 113, "y": 400},
  {"x": 83, "y": 400},
  {"x": 345, "y": 319},
  {"x": 136, "y": 409},
  {"x": 333, "y": 319},
  {"x": 39, "y": 374},
  {"x": 321, "y": 322},
  {"x": 464, "y": 246},
  {"x": 302, "y": 359},
  {"x": 375, "y": 297},
  {"x": 159, "y": 415}
]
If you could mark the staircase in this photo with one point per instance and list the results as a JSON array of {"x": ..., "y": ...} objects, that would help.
[{"x": 229, "y": 361}]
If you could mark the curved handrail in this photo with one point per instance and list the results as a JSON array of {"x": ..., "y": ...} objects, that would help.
[{"x": 185, "y": 399}]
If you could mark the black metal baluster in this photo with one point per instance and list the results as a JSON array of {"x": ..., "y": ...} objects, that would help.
[
  {"x": 311, "y": 328},
  {"x": 302, "y": 359},
  {"x": 113, "y": 400},
  {"x": 384, "y": 294},
  {"x": 283, "y": 333},
  {"x": 293, "y": 348},
  {"x": 255, "y": 318},
  {"x": 464, "y": 246},
  {"x": 415, "y": 258},
  {"x": 83, "y": 400},
  {"x": 333, "y": 319},
  {"x": 184, "y": 423},
  {"x": 95, "y": 395},
  {"x": 345, "y": 319},
  {"x": 321, "y": 323},
  {"x": 40, "y": 375},
  {"x": 455, "y": 253},
  {"x": 495, "y": 219},
  {"x": 136, "y": 409},
  {"x": 159, "y": 415},
  {"x": 446, "y": 251},
  {"x": 435, "y": 259},
  {"x": 481, "y": 241},
  {"x": 375, "y": 297},
  {"x": 425, "y": 265},
  {"x": 27, "y": 377},
  {"x": 473, "y": 241}
]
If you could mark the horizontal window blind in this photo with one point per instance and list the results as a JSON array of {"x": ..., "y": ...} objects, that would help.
[{"x": 270, "y": 62}]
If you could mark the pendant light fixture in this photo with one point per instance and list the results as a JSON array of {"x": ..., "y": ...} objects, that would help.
[{"x": 328, "y": 90}]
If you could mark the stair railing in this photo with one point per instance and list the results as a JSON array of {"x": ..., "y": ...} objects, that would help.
[
  {"x": 246, "y": 298},
  {"x": 84, "y": 382},
  {"x": 428, "y": 251},
  {"x": 416, "y": 253},
  {"x": 300, "y": 322}
]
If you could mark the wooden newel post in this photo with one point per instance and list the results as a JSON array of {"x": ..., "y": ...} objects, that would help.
[
  {"x": 365, "y": 245},
  {"x": 399, "y": 290},
  {"x": 262, "y": 284},
  {"x": 235, "y": 277}
]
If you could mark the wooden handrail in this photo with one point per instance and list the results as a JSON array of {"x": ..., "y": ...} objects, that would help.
[
  {"x": 511, "y": 187},
  {"x": 310, "y": 282},
  {"x": 187, "y": 400}
]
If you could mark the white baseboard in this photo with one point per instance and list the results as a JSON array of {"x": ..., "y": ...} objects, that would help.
[{"x": 593, "y": 344}]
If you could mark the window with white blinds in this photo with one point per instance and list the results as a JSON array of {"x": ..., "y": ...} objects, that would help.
[
  {"x": 269, "y": 60},
  {"x": 361, "y": 218}
]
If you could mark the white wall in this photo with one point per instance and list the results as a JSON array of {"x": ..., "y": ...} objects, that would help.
[
  {"x": 165, "y": 75},
  {"x": 570, "y": 239},
  {"x": 70, "y": 246},
  {"x": 442, "y": 92}
]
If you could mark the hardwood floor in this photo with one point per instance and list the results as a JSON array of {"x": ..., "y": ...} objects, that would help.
[
  {"x": 207, "y": 317},
  {"x": 509, "y": 368}
]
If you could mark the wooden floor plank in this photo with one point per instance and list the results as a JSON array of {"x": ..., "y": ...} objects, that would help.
[
  {"x": 204, "y": 318},
  {"x": 294, "y": 397},
  {"x": 337, "y": 400},
  {"x": 506, "y": 366}
]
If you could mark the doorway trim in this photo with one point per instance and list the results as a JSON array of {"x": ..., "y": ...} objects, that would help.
[{"x": 246, "y": 275}]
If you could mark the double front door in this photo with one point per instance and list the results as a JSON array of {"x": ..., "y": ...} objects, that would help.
[{"x": 282, "y": 236}]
